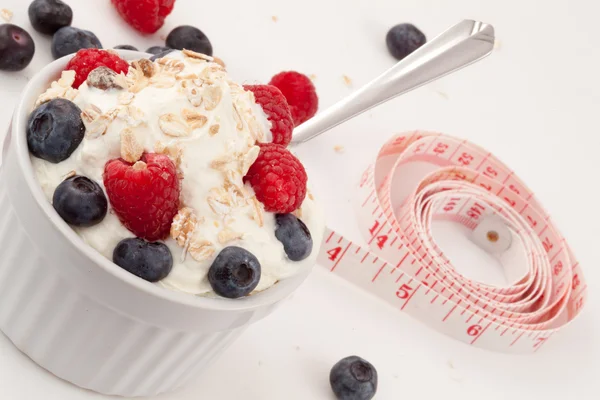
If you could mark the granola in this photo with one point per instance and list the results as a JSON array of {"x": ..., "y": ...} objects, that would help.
[
  {"x": 199, "y": 56},
  {"x": 212, "y": 97},
  {"x": 104, "y": 78},
  {"x": 219, "y": 201},
  {"x": 193, "y": 118},
  {"x": 183, "y": 226},
  {"x": 257, "y": 212},
  {"x": 63, "y": 88},
  {"x": 96, "y": 122},
  {"x": 173, "y": 151},
  {"x": 227, "y": 235},
  {"x": 201, "y": 250},
  {"x": 173, "y": 125},
  {"x": 132, "y": 115},
  {"x": 147, "y": 67},
  {"x": 170, "y": 65},
  {"x": 131, "y": 148},
  {"x": 214, "y": 129},
  {"x": 6, "y": 14}
]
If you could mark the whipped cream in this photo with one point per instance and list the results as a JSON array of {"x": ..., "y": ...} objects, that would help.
[{"x": 184, "y": 105}]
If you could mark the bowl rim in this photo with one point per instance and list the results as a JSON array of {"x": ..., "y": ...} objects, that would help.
[{"x": 32, "y": 90}]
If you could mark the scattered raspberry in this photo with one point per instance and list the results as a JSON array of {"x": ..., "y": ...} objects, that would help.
[
  {"x": 147, "y": 16},
  {"x": 278, "y": 179},
  {"x": 300, "y": 93},
  {"x": 87, "y": 60},
  {"x": 275, "y": 105},
  {"x": 145, "y": 195}
]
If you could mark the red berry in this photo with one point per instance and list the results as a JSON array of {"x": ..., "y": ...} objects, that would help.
[
  {"x": 275, "y": 105},
  {"x": 87, "y": 60},
  {"x": 300, "y": 94},
  {"x": 145, "y": 195},
  {"x": 147, "y": 16},
  {"x": 278, "y": 179}
]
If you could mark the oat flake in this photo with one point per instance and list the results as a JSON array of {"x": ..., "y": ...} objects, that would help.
[
  {"x": 6, "y": 14},
  {"x": 172, "y": 125}
]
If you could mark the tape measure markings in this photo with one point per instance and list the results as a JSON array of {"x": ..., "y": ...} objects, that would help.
[{"x": 402, "y": 256}]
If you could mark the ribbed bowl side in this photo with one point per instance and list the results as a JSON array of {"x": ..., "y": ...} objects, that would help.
[{"x": 82, "y": 341}]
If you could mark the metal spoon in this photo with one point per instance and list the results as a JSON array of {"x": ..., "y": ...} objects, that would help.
[{"x": 457, "y": 47}]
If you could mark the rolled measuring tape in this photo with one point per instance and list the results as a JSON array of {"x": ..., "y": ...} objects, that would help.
[{"x": 420, "y": 177}]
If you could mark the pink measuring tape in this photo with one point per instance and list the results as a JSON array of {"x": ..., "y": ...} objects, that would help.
[{"x": 421, "y": 177}]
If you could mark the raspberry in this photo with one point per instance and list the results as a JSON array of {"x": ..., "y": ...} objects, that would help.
[
  {"x": 147, "y": 16},
  {"x": 278, "y": 179},
  {"x": 275, "y": 105},
  {"x": 87, "y": 60},
  {"x": 300, "y": 94},
  {"x": 145, "y": 196}
]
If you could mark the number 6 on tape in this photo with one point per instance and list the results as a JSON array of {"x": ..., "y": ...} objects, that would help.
[{"x": 403, "y": 265}]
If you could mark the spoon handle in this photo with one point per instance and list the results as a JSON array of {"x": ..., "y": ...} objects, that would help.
[{"x": 457, "y": 47}]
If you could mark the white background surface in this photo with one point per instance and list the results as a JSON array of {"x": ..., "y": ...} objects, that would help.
[{"x": 534, "y": 103}]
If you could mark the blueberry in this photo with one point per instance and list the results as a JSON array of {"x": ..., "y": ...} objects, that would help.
[
  {"x": 54, "y": 130},
  {"x": 149, "y": 261},
  {"x": 353, "y": 378},
  {"x": 294, "y": 235},
  {"x": 69, "y": 40},
  {"x": 190, "y": 38},
  {"x": 80, "y": 201},
  {"x": 126, "y": 47},
  {"x": 160, "y": 55},
  {"x": 156, "y": 50},
  {"x": 234, "y": 273},
  {"x": 48, "y": 16},
  {"x": 16, "y": 48},
  {"x": 403, "y": 39}
]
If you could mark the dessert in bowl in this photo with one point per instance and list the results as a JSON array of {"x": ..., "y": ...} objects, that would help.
[{"x": 161, "y": 173}]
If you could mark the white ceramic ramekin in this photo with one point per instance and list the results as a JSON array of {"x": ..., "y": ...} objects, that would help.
[{"x": 83, "y": 318}]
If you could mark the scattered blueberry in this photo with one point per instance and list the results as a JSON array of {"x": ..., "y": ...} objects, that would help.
[
  {"x": 234, "y": 273},
  {"x": 80, "y": 201},
  {"x": 149, "y": 261},
  {"x": 156, "y": 50},
  {"x": 160, "y": 55},
  {"x": 54, "y": 130},
  {"x": 16, "y": 48},
  {"x": 48, "y": 16},
  {"x": 126, "y": 47},
  {"x": 69, "y": 40},
  {"x": 353, "y": 378},
  {"x": 403, "y": 39},
  {"x": 294, "y": 235},
  {"x": 190, "y": 38}
]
